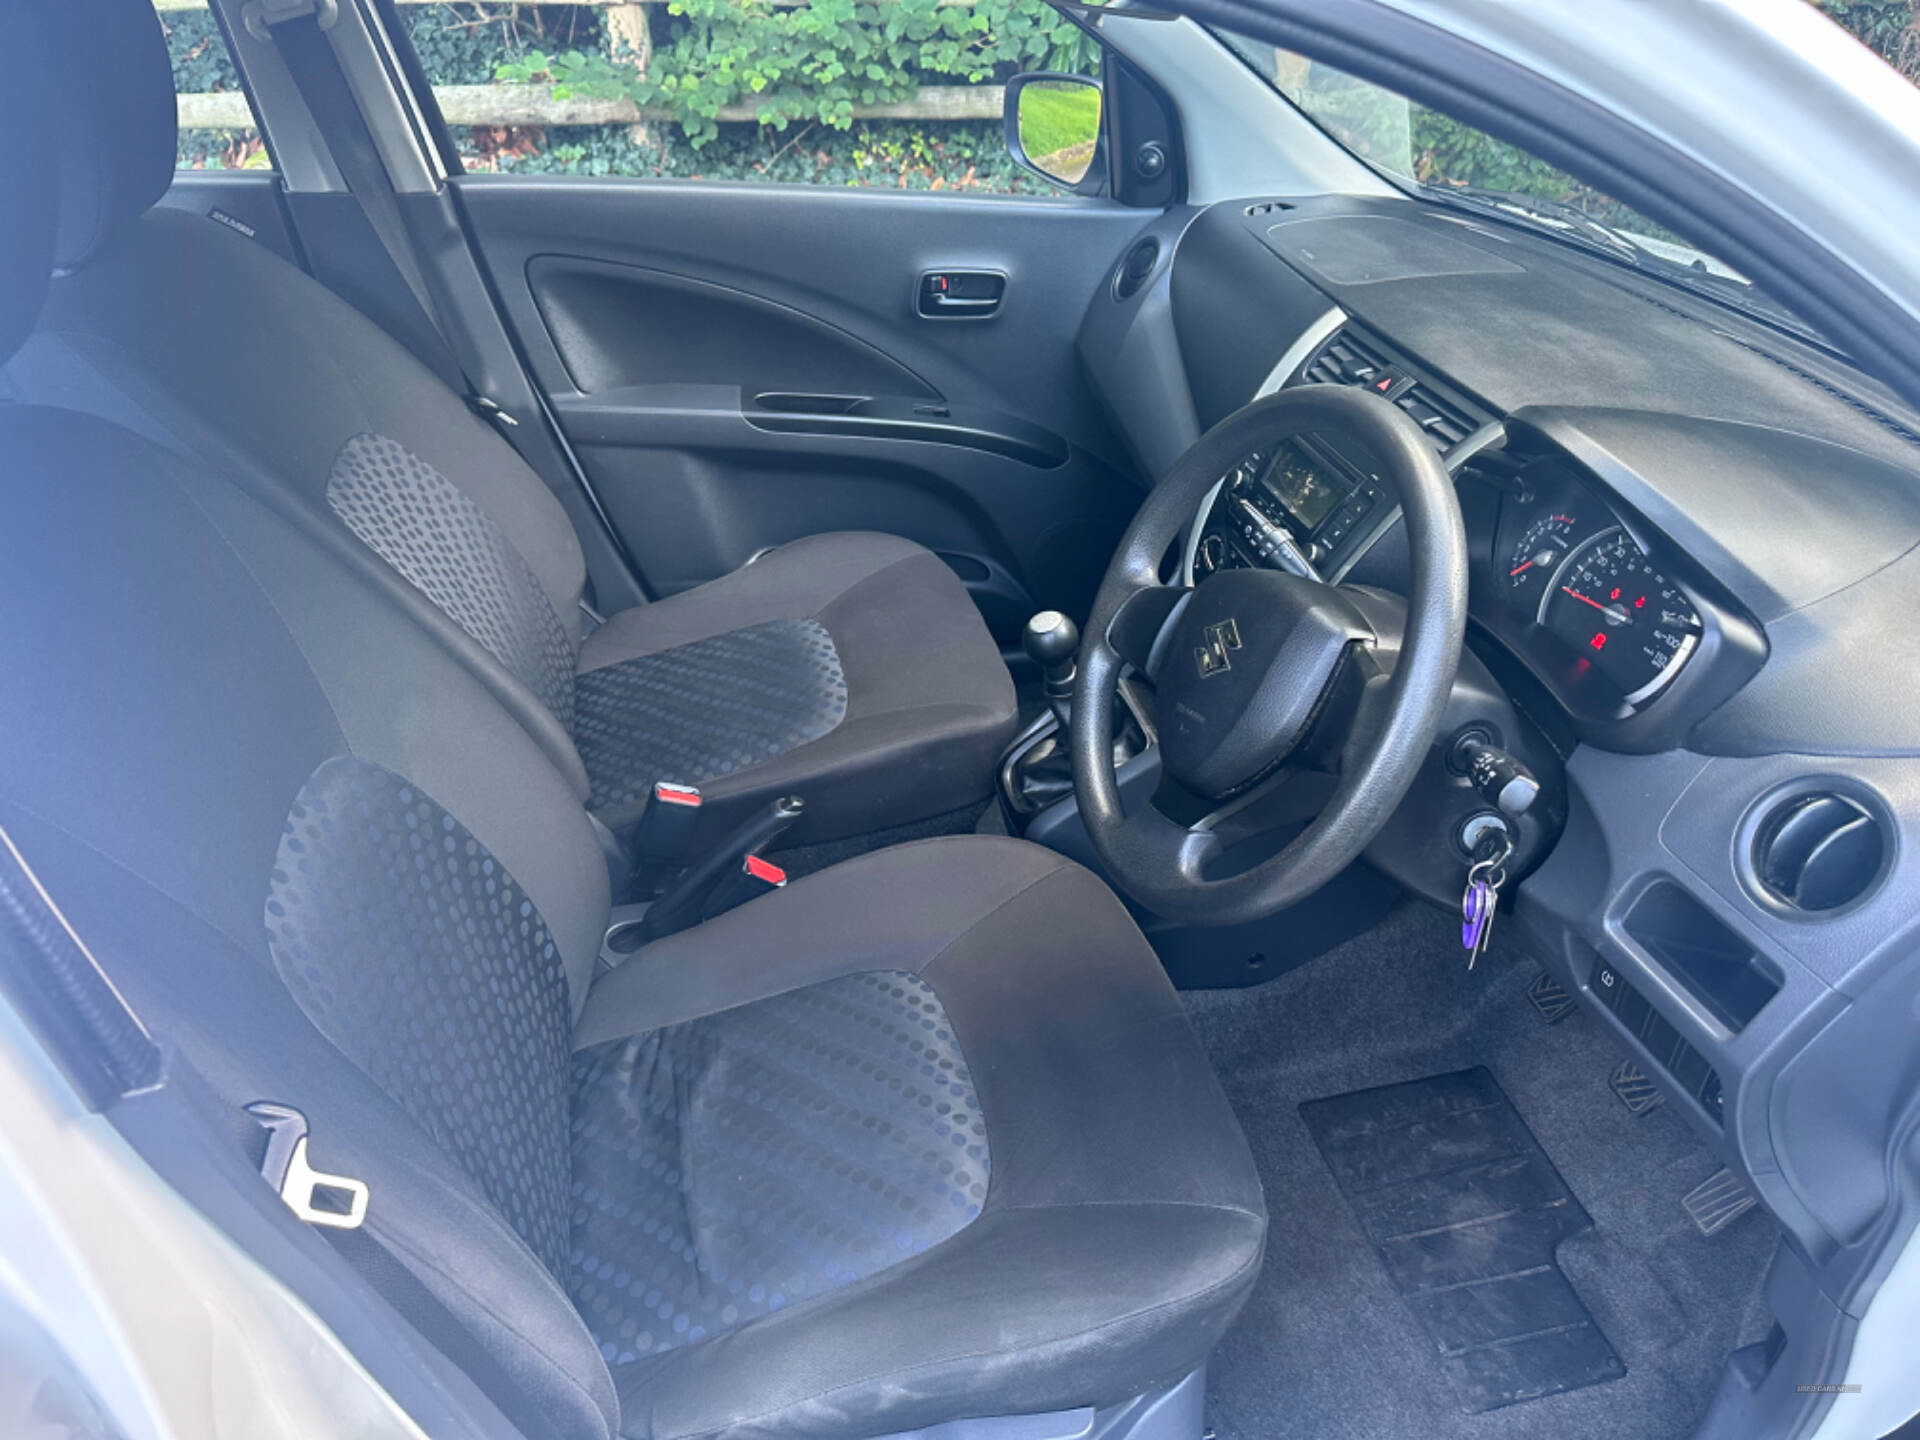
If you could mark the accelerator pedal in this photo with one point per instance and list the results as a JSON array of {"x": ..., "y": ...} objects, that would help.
[
  {"x": 1550, "y": 998},
  {"x": 1636, "y": 1091},
  {"x": 1718, "y": 1201}
]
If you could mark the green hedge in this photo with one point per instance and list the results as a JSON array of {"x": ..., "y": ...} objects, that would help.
[
  {"x": 806, "y": 67},
  {"x": 967, "y": 156}
]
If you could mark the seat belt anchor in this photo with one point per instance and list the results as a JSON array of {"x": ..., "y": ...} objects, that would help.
[
  {"x": 489, "y": 409},
  {"x": 285, "y": 1168},
  {"x": 260, "y": 16}
]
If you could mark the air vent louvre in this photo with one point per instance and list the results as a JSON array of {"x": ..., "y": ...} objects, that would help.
[
  {"x": 1444, "y": 422},
  {"x": 1344, "y": 360},
  {"x": 1269, "y": 207},
  {"x": 1348, "y": 360},
  {"x": 1819, "y": 850}
]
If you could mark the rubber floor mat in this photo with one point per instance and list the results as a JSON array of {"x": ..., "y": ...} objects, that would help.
[{"x": 1466, "y": 1211}]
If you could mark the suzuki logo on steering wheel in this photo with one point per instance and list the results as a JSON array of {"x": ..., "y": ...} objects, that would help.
[{"x": 1216, "y": 641}]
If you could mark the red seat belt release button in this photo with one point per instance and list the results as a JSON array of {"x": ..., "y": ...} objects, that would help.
[
  {"x": 666, "y": 826},
  {"x": 765, "y": 871}
]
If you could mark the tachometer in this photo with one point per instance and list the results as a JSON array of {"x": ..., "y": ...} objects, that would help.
[
  {"x": 1624, "y": 617},
  {"x": 1532, "y": 562}
]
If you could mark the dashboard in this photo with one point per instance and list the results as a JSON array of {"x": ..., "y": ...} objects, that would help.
[{"x": 1694, "y": 549}]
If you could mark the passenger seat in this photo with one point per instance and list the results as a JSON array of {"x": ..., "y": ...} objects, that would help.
[{"x": 850, "y": 668}]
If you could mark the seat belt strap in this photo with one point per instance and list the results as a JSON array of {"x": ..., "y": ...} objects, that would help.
[{"x": 298, "y": 30}]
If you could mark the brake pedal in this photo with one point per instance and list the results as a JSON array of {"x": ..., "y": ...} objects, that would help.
[
  {"x": 1636, "y": 1091},
  {"x": 1550, "y": 998},
  {"x": 1718, "y": 1201}
]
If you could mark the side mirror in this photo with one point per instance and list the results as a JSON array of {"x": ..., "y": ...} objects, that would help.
[{"x": 1054, "y": 130}]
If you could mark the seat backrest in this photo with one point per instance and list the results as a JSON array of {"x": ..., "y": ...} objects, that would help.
[
  {"x": 310, "y": 849},
  {"x": 183, "y": 330}
]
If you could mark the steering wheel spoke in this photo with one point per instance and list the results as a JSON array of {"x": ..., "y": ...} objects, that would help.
[
  {"x": 1169, "y": 848},
  {"x": 1141, "y": 628}
]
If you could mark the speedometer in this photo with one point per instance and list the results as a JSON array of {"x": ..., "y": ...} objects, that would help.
[{"x": 1623, "y": 616}]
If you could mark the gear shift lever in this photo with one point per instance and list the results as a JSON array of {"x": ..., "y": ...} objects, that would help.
[{"x": 1052, "y": 642}]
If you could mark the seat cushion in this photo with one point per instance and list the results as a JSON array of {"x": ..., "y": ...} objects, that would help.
[
  {"x": 924, "y": 1135},
  {"x": 852, "y": 669}
]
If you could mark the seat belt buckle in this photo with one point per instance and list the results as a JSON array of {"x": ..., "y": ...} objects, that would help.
[
  {"x": 260, "y": 16},
  {"x": 285, "y": 1167},
  {"x": 753, "y": 878},
  {"x": 666, "y": 826}
]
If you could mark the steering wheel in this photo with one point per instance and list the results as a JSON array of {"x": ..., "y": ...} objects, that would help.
[{"x": 1253, "y": 667}]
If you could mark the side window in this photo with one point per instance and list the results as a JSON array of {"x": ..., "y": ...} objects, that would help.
[
  {"x": 217, "y": 128},
  {"x": 898, "y": 93}
]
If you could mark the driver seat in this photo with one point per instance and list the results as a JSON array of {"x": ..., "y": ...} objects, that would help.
[{"x": 922, "y": 1138}]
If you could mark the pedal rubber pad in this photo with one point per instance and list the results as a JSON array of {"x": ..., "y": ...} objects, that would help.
[
  {"x": 1718, "y": 1201},
  {"x": 1550, "y": 998},
  {"x": 1636, "y": 1091}
]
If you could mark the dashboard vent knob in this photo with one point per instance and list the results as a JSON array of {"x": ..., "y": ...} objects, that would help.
[
  {"x": 1135, "y": 269},
  {"x": 1819, "y": 850}
]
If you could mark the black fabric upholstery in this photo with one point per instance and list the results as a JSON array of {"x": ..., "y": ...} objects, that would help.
[
  {"x": 119, "y": 130},
  {"x": 316, "y": 856},
  {"x": 424, "y": 526},
  {"x": 192, "y": 664},
  {"x": 784, "y": 1149},
  {"x": 929, "y": 704},
  {"x": 705, "y": 710},
  {"x": 413, "y": 951},
  {"x": 1123, "y": 1224}
]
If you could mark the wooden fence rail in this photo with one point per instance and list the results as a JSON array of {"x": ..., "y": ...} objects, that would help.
[{"x": 535, "y": 105}]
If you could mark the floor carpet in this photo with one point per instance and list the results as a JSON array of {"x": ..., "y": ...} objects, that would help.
[{"x": 1327, "y": 1348}]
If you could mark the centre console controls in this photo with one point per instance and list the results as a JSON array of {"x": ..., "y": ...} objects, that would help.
[{"x": 1304, "y": 506}]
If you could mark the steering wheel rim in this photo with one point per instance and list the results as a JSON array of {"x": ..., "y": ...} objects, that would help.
[{"x": 1136, "y": 619}]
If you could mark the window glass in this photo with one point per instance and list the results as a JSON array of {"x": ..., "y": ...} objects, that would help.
[
  {"x": 1441, "y": 159},
  {"x": 898, "y": 93},
  {"x": 217, "y": 128}
]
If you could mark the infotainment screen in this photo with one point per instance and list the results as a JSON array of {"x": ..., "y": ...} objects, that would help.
[{"x": 1308, "y": 488}]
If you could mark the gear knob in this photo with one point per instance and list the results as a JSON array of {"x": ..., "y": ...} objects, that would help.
[{"x": 1052, "y": 641}]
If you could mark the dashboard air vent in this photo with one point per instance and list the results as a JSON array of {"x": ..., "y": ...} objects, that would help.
[
  {"x": 1269, "y": 207},
  {"x": 1344, "y": 360},
  {"x": 1818, "y": 850},
  {"x": 1443, "y": 422},
  {"x": 1348, "y": 360},
  {"x": 1135, "y": 269}
]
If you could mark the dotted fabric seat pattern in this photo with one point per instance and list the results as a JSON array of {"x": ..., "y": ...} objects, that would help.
[
  {"x": 447, "y": 547},
  {"x": 739, "y": 1163},
  {"x": 700, "y": 711},
  {"x": 412, "y": 950}
]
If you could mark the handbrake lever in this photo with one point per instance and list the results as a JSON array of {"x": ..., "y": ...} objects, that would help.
[{"x": 730, "y": 873}]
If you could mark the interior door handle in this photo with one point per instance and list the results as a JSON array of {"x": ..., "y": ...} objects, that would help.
[{"x": 960, "y": 294}]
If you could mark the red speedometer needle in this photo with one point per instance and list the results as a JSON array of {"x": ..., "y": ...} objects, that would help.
[
  {"x": 1586, "y": 599},
  {"x": 1527, "y": 566}
]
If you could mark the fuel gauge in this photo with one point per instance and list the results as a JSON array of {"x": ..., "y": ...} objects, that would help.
[{"x": 1536, "y": 557}]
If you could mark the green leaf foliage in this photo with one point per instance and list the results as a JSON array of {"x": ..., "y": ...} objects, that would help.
[{"x": 812, "y": 62}]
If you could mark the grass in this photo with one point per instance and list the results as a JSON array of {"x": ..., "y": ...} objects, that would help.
[{"x": 1060, "y": 123}]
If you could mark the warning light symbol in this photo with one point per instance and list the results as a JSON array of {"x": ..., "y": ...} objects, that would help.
[{"x": 1599, "y": 641}]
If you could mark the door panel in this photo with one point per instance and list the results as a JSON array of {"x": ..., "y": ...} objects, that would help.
[
  {"x": 615, "y": 325},
  {"x": 739, "y": 366}
]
